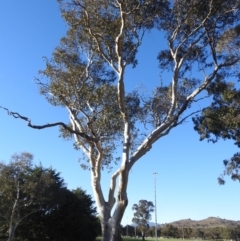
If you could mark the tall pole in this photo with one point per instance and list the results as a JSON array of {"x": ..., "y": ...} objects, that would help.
[
  {"x": 182, "y": 232},
  {"x": 155, "y": 173},
  {"x": 127, "y": 227}
]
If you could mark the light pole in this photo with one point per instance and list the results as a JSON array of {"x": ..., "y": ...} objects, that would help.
[
  {"x": 127, "y": 227},
  {"x": 155, "y": 173},
  {"x": 182, "y": 232}
]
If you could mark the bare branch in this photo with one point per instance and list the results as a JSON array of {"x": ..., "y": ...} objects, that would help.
[
  {"x": 178, "y": 123},
  {"x": 37, "y": 210},
  {"x": 39, "y": 127},
  {"x": 75, "y": 125},
  {"x": 179, "y": 62}
]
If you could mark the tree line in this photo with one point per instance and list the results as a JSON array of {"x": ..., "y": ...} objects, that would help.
[
  {"x": 35, "y": 204},
  {"x": 142, "y": 216},
  {"x": 170, "y": 231}
]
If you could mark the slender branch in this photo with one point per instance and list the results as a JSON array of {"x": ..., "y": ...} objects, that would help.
[
  {"x": 75, "y": 122},
  {"x": 209, "y": 78},
  {"x": 212, "y": 48},
  {"x": 147, "y": 143},
  {"x": 202, "y": 98},
  {"x": 139, "y": 42},
  {"x": 77, "y": 138},
  {"x": 37, "y": 210},
  {"x": 170, "y": 122},
  {"x": 179, "y": 123},
  {"x": 121, "y": 88},
  {"x": 39, "y": 127},
  {"x": 179, "y": 62},
  {"x": 109, "y": 61},
  {"x": 118, "y": 48},
  {"x": 99, "y": 157},
  {"x": 135, "y": 8},
  {"x": 196, "y": 92}
]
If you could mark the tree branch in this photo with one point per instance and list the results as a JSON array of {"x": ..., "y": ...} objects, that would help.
[
  {"x": 109, "y": 60},
  {"x": 170, "y": 122},
  {"x": 39, "y": 127},
  {"x": 37, "y": 210}
]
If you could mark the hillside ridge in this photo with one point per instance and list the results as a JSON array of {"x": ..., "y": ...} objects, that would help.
[{"x": 208, "y": 222}]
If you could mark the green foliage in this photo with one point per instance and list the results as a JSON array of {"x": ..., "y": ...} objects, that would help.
[
  {"x": 220, "y": 233},
  {"x": 91, "y": 97},
  {"x": 142, "y": 215},
  {"x": 36, "y": 202},
  {"x": 221, "y": 120},
  {"x": 229, "y": 41},
  {"x": 75, "y": 219},
  {"x": 82, "y": 73},
  {"x": 169, "y": 231},
  {"x": 26, "y": 189},
  {"x": 193, "y": 19},
  {"x": 103, "y": 38},
  {"x": 232, "y": 169}
]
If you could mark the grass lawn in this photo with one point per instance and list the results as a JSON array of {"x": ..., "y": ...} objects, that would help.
[
  {"x": 131, "y": 239},
  {"x": 137, "y": 239},
  {"x": 159, "y": 239},
  {"x": 148, "y": 239}
]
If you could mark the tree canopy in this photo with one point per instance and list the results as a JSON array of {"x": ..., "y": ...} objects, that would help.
[
  {"x": 26, "y": 189},
  {"x": 36, "y": 205},
  {"x": 221, "y": 120},
  {"x": 74, "y": 219}
]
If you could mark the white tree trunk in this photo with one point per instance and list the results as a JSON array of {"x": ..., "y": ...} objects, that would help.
[
  {"x": 111, "y": 224},
  {"x": 12, "y": 229}
]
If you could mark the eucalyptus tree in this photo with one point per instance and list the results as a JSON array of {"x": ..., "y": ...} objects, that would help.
[
  {"x": 142, "y": 215},
  {"x": 25, "y": 190},
  {"x": 87, "y": 76}
]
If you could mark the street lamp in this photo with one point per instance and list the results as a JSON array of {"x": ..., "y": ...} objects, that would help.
[{"x": 155, "y": 173}]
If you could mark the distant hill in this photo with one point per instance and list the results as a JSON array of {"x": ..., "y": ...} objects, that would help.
[{"x": 210, "y": 222}]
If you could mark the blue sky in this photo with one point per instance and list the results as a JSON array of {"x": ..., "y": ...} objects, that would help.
[{"x": 187, "y": 168}]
